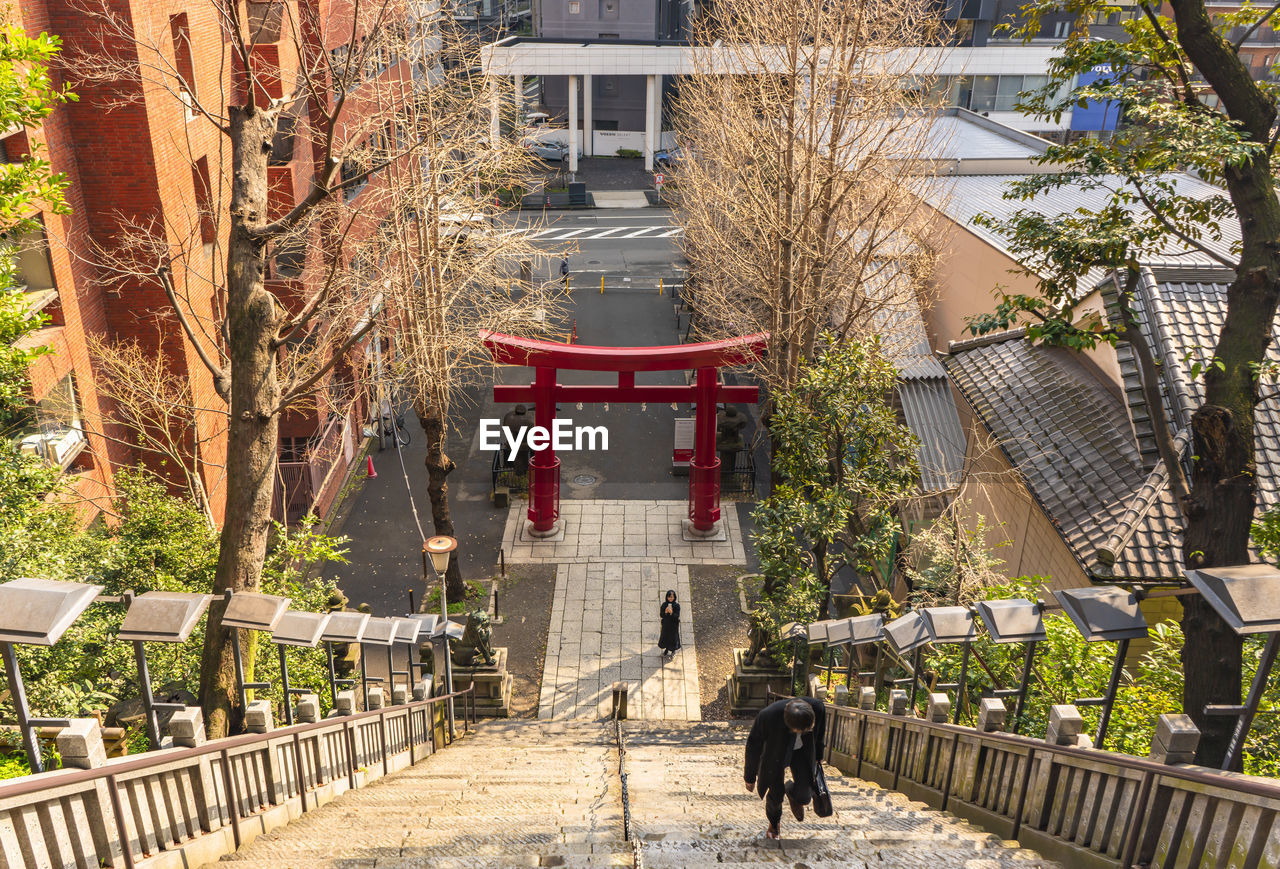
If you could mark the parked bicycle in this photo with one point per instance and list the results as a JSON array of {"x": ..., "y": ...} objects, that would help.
[{"x": 391, "y": 427}]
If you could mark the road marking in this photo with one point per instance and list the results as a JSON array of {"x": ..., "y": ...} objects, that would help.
[
  {"x": 609, "y": 232},
  {"x": 571, "y": 234},
  {"x": 675, "y": 231},
  {"x": 641, "y": 231}
]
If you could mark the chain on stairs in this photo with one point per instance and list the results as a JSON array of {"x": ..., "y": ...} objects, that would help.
[{"x": 628, "y": 830}]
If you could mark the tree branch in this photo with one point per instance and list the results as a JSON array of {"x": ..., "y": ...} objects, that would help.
[
  {"x": 291, "y": 392},
  {"x": 221, "y": 379},
  {"x": 1254, "y": 27},
  {"x": 1177, "y": 233}
]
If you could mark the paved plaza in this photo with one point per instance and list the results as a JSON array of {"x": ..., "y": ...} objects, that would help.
[
  {"x": 604, "y": 629},
  {"x": 613, "y": 532}
]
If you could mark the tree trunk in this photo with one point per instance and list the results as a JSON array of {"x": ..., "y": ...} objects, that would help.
[
  {"x": 1220, "y": 510},
  {"x": 439, "y": 466},
  {"x": 253, "y": 320},
  {"x": 1223, "y": 481}
]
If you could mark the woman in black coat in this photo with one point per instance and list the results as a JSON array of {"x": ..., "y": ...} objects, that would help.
[{"x": 669, "y": 611}]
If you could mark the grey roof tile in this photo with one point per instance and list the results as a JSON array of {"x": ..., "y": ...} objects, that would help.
[{"x": 1070, "y": 439}]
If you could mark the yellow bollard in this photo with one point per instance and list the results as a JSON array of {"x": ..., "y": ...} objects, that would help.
[
  {"x": 602, "y": 285},
  {"x": 659, "y": 286}
]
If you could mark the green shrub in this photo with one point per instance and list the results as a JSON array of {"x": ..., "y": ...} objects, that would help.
[{"x": 629, "y": 152}]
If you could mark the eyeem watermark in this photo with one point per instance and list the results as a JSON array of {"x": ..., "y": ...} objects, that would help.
[{"x": 564, "y": 436}]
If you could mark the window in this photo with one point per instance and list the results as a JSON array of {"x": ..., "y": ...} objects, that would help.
[
  {"x": 575, "y": 7},
  {"x": 32, "y": 269},
  {"x": 1061, "y": 29},
  {"x": 961, "y": 91},
  {"x": 1007, "y": 89},
  {"x": 983, "y": 98},
  {"x": 202, "y": 183},
  {"x": 282, "y": 142},
  {"x": 606, "y": 86},
  {"x": 609, "y": 36},
  {"x": 181, "y": 34},
  {"x": 54, "y": 430},
  {"x": 609, "y": 9},
  {"x": 265, "y": 19},
  {"x": 609, "y": 126}
]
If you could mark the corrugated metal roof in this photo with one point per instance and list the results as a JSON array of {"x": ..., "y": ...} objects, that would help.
[
  {"x": 1070, "y": 439},
  {"x": 952, "y": 137},
  {"x": 964, "y": 197},
  {"x": 930, "y": 411}
]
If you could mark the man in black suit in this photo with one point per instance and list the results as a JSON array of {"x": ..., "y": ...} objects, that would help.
[{"x": 787, "y": 733}]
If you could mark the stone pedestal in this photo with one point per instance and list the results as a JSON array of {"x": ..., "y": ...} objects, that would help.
[
  {"x": 749, "y": 686},
  {"x": 493, "y": 686}
]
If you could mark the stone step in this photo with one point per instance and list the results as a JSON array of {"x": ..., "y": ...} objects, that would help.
[{"x": 524, "y": 793}]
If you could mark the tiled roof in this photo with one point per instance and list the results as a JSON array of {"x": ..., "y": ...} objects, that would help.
[
  {"x": 1070, "y": 439},
  {"x": 1183, "y": 311}
]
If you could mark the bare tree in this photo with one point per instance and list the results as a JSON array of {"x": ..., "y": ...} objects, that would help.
[
  {"x": 804, "y": 163},
  {"x": 157, "y": 413},
  {"x": 261, "y": 285},
  {"x": 450, "y": 264}
]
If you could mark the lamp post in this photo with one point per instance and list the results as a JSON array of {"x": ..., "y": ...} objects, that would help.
[
  {"x": 1105, "y": 613},
  {"x": 438, "y": 549},
  {"x": 1015, "y": 621},
  {"x": 1244, "y": 596}
]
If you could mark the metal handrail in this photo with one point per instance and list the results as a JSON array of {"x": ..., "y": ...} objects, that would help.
[{"x": 62, "y": 777}]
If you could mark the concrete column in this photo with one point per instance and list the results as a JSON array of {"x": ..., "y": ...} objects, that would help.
[
  {"x": 657, "y": 113},
  {"x": 573, "y": 123},
  {"x": 588, "y": 146},
  {"x": 495, "y": 131},
  {"x": 648, "y": 123},
  {"x": 518, "y": 81}
]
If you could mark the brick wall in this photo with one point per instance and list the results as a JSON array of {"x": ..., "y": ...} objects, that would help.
[{"x": 136, "y": 156}]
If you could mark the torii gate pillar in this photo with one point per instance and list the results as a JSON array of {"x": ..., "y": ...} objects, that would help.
[{"x": 706, "y": 358}]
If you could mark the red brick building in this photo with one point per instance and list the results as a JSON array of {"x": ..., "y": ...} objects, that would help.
[{"x": 135, "y": 155}]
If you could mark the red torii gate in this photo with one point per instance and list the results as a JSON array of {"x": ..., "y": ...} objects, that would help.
[{"x": 546, "y": 357}]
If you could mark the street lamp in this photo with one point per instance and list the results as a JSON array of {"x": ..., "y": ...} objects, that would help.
[
  {"x": 36, "y": 612},
  {"x": 908, "y": 634},
  {"x": 1247, "y": 598},
  {"x": 1015, "y": 621},
  {"x": 1105, "y": 613},
  {"x": 950, "y": 625},
  {"x": 438, "y": 549}
]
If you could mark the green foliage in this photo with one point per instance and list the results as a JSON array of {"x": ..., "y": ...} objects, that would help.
[
  {"x": 1165, "y": 129},
  {"x": 27, "y": 96},
  {"x": 1067, "y": 668},
  {"x": 631, "y": 153},
  {"x": 157, "y": 543},
  {"x": 1265, "y": 533},
  {"x": 841, "y": 465}
]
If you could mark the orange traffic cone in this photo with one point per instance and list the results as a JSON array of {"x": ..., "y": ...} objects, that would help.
[{"x": 372, "y": 473}]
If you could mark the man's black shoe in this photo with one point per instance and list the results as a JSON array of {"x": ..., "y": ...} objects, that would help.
[{"x": 797, "y": 809}]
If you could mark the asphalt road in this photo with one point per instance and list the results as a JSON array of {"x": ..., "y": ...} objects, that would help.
[{"x": 631, "y": 249}]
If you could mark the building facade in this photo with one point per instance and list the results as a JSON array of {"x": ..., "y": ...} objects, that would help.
[{"x": 139, "y": 157}]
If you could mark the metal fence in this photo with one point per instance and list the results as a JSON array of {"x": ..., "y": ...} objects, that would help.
[
  {"x": 1082, "y": 807},
  {"x": 202, "y": 802}
]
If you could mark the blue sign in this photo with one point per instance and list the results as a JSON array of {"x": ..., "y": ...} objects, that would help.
[{"x": 1096, "y": 115}]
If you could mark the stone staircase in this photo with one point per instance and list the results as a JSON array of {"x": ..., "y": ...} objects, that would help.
[{"x": 524, "y": 793}]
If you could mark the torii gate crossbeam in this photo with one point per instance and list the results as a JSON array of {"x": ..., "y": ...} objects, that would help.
[{"x": 547, "y": 357}]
